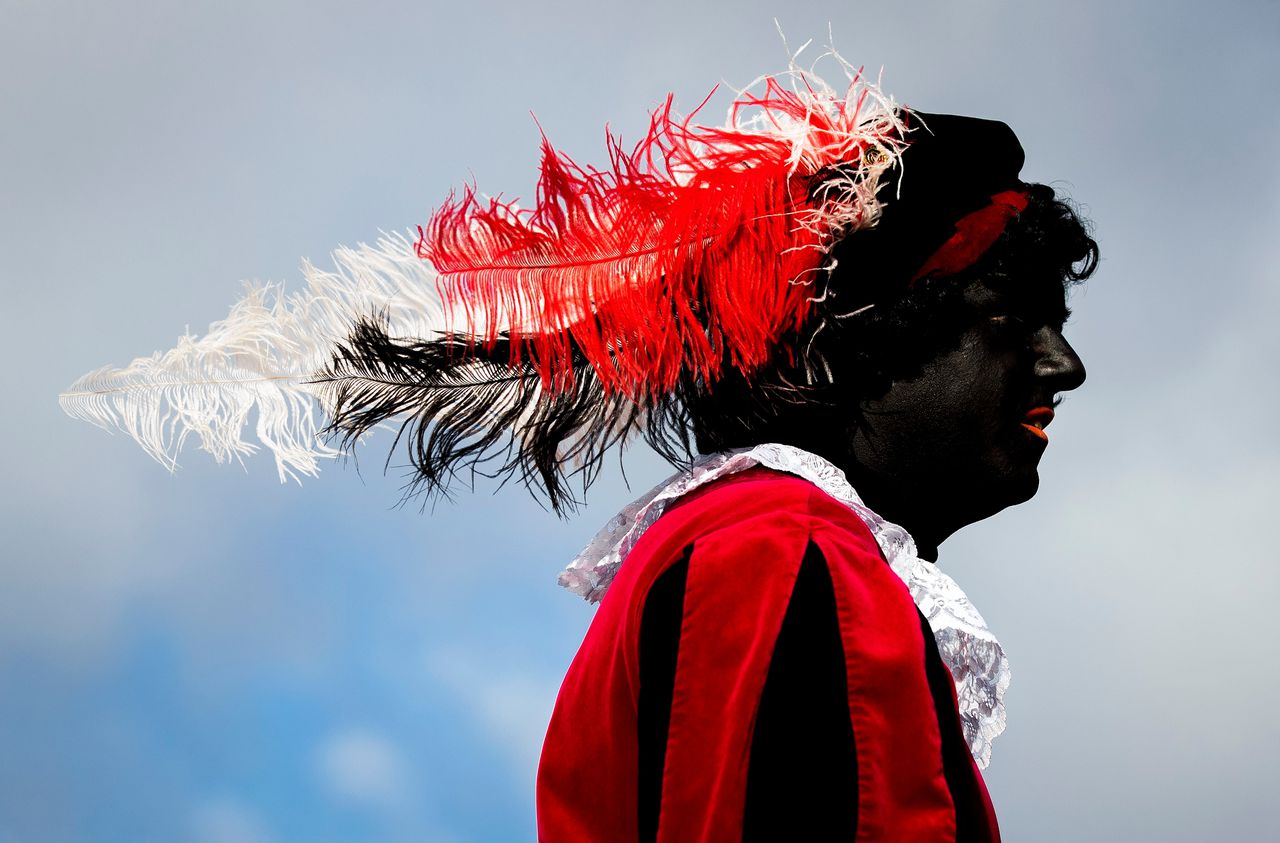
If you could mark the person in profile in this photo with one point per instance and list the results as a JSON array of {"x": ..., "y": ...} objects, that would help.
[{"x": 841, "y": 319}]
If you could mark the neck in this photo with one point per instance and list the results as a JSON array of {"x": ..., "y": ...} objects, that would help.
[
  {"x": 903, "y": 501},
  {"x": 910, "y": 502},
  {"x": 927, "y": 524}
]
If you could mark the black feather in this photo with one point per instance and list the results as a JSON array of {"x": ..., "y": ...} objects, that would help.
[{"x": 464, "y": 407}]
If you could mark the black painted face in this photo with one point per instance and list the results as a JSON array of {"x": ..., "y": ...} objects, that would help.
[{"x": 963, "y": 440}]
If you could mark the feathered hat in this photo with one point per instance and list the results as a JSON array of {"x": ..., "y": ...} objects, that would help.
[{"x": 540, "y": 337}]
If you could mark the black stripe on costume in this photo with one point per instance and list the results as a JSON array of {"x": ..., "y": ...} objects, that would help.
[
  {"x": 957, "y": 764},
  {"x": 659, "y": 647},
  {"x": 802, "y": 783}
]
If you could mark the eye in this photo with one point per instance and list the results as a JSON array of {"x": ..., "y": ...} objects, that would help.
[
  {"x": 1009, "y": 322},
  {"x": 1012, "y": 332}
]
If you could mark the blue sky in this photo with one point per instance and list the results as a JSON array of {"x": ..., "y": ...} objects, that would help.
[{"x": 211, "y": 656}]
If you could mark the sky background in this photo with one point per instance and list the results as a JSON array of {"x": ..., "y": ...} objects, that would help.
[{"x": 213, "y": 657}]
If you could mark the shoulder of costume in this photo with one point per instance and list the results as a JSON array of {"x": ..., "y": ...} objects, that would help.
[{"x": 739, "y": 508}]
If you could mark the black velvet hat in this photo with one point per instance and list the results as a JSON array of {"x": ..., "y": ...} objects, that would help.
[{"x": 953, "y": 166}]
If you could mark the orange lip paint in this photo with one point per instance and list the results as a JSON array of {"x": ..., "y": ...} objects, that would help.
[
  {"x": 1037, "y": 431},
  {"x": 1038, "y": 418}
]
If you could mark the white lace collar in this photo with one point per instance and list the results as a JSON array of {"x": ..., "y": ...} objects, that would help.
[{"x": 976, "y": 659}]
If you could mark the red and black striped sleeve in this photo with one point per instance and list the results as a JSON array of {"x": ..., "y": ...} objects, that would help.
[
  {"x": 802, "y": 773},
  {"x": 801, "y": 777}
]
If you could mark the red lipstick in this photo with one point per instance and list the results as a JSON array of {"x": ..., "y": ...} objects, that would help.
[{"x": 1037, "y": 419}]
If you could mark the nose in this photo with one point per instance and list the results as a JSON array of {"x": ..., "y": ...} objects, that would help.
[{"x": 1058, "y": 362}]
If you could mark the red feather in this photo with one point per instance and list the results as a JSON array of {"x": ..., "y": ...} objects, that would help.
[{"x": 699, "y": 245}]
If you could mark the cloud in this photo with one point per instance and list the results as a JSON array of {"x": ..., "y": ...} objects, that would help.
[
  {"x": 512, "y": 706},
  {"x": 224, "y": 820},
  {"x": 363, "y": 768}
]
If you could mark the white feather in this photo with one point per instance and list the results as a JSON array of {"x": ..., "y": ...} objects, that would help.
[{"x": 259, "y": 360}]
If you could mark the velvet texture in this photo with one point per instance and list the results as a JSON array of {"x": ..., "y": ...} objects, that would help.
[{"x": 743, "y": 543}]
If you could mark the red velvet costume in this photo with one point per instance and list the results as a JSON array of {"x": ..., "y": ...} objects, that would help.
[{"x": 742, "y": 542}]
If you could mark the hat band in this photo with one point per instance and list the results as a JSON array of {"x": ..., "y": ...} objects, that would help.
[{"x": 975, "y": 233}]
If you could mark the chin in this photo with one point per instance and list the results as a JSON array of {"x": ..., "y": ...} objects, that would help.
[
  {"x": 1023, "y": 488},
  {"x": 996, "y": 494}
]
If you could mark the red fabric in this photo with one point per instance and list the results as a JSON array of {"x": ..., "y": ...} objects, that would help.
[
  {"x": 749, "y": 533},
  {"x": 975, "y": 233}
]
